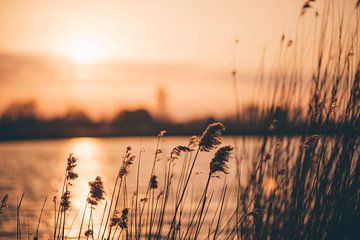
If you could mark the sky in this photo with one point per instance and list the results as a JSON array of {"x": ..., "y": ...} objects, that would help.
[{"x": 103, "y": 56}]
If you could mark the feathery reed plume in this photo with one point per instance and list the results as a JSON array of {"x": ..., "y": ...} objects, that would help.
[
  {"x": 71, "y": 164},
  {"x": 282, "y": 38},
  {"x": 311, "y": 141},
  {"x": 153, "y": 182},
  {"x": 220, "y": 160},
  {"x": 290, "y": 43},
  {"x": 97, "y": 191},
  {"x": 64, "y": 205},
  {"x": 89, "y": 233},
  {"x": 211, "y": 137},
  {"x": 161, "y": 133},
  {"x": 115, "y": 218},
  {"x": 120, "y": 218},
  {"x": 193, "y": 143},
  {"x": 4, "y": 202},
  {"x": 96, "y": 194},
  {"x": 127, "y": 162},
  {"x": 153, "y": 185},
  {"x": 144, "y": 200},
  {"x": 305, "y": 7},
  {"x": 124, "y": 218},
  {"x": 65, "y": 201},
  {"x": 175, "y": 153}
]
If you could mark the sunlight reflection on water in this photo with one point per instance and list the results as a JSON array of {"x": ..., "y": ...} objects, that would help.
[
  {"x": 87, "y": 151},
  {"x": 37, "y": 168}
]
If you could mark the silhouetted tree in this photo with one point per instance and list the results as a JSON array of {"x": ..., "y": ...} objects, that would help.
[{"x": 20, "y": 112}]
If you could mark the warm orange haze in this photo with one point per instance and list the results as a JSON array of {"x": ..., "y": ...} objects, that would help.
[
  {"x": 180, "y": 120},
  {"x": 103, "y": 57}
]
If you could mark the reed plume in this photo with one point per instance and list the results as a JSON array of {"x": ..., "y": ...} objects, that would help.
[
  {"x": 89, "y": 233},
  {"x": 175, "y": 153},
  {"x": 97, "y": 192},
  {"x": 153, "y": 182},
  {"x": 4, "y": 202},
  {"x": 127, "y": 162},
  {"x": 220, "y": 160},
  {"x": 71, "y": 164},
  {"x": 193, "y": 143},
  {"x": 161, "y": 133},
  {"x": 120, "y": 218},
  {"x": 65, "y": 201},
  {"x": 211, "y": 137}
]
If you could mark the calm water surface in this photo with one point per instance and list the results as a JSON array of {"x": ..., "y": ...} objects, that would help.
[{"x": 37, "y": 168}]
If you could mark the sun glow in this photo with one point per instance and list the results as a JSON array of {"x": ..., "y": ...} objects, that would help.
[
  {"x": 87, "y": 151},
  {"x": 84, "y": 50}
]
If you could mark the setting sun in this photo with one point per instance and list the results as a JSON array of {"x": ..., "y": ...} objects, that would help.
[{"x": 84, "y": 50}]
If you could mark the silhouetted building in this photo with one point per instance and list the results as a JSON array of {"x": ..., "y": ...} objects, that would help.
[{"x": 161, "y": 102}]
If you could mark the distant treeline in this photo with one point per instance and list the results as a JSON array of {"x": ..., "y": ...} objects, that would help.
[{"x": 20, "y": 121}]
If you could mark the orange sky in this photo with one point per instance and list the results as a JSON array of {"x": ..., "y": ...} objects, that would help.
[
  {"x": 199, "y": 32},
  {"x": 117, "y": 54}
]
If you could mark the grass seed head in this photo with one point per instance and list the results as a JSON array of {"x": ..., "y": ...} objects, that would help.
[
  {"x": 220, "y": 160},
  {"x": 97, "y": 191},
  {"x": 153, "y": 182},
  {"x": 211, "y": 137}
]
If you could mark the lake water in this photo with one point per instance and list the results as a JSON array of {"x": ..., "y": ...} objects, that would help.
[{"x": 37, "y": 168}]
